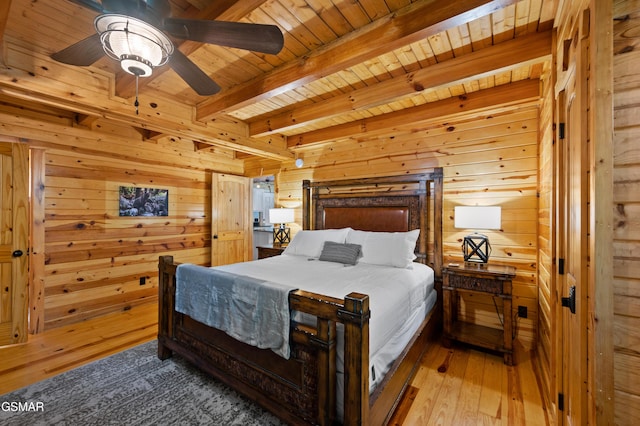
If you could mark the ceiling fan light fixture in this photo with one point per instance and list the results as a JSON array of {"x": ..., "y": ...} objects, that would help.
[{"x": 137, "y": 45}]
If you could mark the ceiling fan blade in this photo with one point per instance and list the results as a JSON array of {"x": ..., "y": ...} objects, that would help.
[
  {"x": 254, "y": 37},
  {"x": 192, "y": 75},
  {"x": 89, "y": 4},
  {"x": 83, "y": 53}
]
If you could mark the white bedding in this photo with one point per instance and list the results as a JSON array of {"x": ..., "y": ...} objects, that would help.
[{"x": 399, "y": 298}]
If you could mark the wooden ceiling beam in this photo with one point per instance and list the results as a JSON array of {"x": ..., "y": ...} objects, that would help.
[
  {"x": 496, "y": 97},
  {"x": 167, "y": 117},
  {"x": 505, "y": 56},
  {"x": 415, "y": 22},
  {"x": 224, "y": 10}
]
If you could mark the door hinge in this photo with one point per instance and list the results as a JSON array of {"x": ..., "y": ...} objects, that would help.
[
  {"x": 561, "y": 130},
  {"x": 561, "y": 402},
  {"x": 561, "y": 266},
  {"x": 570, "y": 302}
]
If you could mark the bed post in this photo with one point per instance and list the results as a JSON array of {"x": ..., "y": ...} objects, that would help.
[
  {"x": 438, "y": 187},
  {"x": 306, "y": 204},
  {"x": 355, "y": 316},
  {"x": 166, "y": 292},
  {"x": 423, "y": 209}
]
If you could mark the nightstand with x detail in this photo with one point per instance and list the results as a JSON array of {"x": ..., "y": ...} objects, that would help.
[{"x": 491, "y": 279}]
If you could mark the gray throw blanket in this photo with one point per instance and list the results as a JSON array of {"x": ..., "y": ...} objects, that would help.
[{"x": 248, "y": 309}]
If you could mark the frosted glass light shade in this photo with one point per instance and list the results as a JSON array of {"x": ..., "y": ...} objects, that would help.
[
  {"x": 280, "y": 215},
  {"x": 477, "y": 217},
  {"x": 138, "y": 46}
]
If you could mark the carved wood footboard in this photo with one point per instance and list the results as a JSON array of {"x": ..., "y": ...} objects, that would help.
[{"x": 300, "y": 389}]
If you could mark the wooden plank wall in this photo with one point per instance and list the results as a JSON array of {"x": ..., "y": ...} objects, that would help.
[
  {"x": 626, "y": 192},
  {"x": 489, "y": 159},
  {"x": 546, "y": 345},
  {"x": 94, "y": 259}
]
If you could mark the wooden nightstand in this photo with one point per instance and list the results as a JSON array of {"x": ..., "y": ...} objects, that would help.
[
  {"x": 271, "y": 250},
  {"x": 482, "y": 278}
]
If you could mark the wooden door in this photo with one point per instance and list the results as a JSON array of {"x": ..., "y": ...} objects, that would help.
[
  {"x": 231, "y": 219},
  {"x": 573, "y": 244},
  {"x": 14, "y": 232}
]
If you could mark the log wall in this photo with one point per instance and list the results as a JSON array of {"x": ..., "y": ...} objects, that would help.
[
  {"x": 488, "y": 159},
  {"x": 95, "y": 261},
  {"x": 547, "y": 338},
  {"x": 626, "y": 198}
]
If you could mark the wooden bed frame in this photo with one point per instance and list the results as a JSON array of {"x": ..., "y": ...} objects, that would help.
[{"x": 302, "y": 389}]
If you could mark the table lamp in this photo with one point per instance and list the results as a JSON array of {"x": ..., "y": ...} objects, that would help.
[
  {"x": 281, "y": 234},
  {"x": 476, "y": 247}
]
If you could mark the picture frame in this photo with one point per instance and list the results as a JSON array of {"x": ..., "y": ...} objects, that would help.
[{"x": 140, "y": 201}]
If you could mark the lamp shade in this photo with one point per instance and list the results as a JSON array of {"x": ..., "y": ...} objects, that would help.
[
  {"x": 477, "y": 217},
  {"x": 280, "y": 215}
]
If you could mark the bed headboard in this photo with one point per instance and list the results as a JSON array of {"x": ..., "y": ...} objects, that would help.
[{"x": 388, "y": 204}]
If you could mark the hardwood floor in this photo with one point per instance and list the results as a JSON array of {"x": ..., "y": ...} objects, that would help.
[
  {"x": 452, "y": 387},
  {"x": 464, "y": 386},
  {"x": 60, "y": 349}
]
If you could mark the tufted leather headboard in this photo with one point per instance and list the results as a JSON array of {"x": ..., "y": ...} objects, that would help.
[
  {"x": 383, "y": 204},
  {"x": 371, "y": 218}
]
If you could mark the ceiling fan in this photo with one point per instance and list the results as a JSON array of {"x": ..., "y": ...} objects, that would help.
[{"x": 133, "y": 33}]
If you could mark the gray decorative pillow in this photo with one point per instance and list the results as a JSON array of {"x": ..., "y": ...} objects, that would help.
[{"x": 347, "y": 254}]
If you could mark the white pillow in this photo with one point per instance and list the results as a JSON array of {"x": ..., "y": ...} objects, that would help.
[
  {"x": 310, "y": 243},
  {"x": 386, "y": 248}
]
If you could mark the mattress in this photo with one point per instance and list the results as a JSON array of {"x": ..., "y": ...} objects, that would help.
[{"x": 399, "y": 298}]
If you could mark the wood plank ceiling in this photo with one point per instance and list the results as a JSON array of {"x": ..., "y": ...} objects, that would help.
[{"x": 346, "y": 67}]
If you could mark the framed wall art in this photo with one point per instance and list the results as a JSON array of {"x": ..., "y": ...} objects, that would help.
[{"x": 137, "y": 201}]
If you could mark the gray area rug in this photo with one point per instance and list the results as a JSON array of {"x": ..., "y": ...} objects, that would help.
[{"x": 131, "y": 388}]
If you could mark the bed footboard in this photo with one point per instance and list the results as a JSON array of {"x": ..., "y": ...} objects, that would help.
[{"x": 301, "y": 389}]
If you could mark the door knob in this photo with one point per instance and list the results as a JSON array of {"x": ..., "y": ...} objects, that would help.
[{"x": 17, "y": 253}]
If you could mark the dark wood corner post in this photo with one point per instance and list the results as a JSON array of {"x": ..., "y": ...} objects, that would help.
[
  {"x": 355, "y": 317},
  {"x": 423, "y": 191},
  {"x": 438, "y": 186},
  {"x": 306, "y": 204},
  {"x": 166, "y": 302}
]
